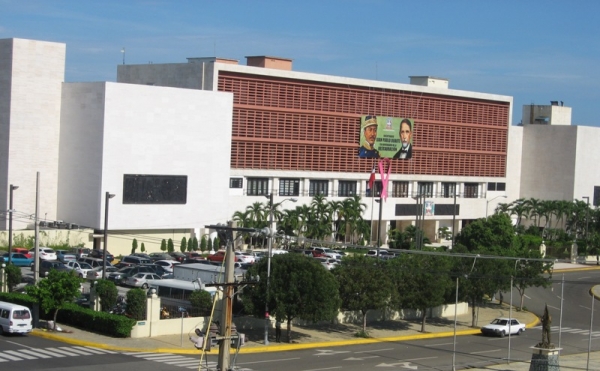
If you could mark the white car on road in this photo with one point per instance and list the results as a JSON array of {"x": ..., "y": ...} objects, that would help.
[{"x": 503, "y": 326}]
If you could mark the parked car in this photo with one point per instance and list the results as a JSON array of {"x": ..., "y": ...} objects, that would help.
[
  {"x": 47, "y": 265},
  {"x": 159, "y": 256},
  {"x": 327, "y": 252},
  {"x": 18, "y": 259},
  {"x": 45, "y": 253},
  {"x": 328, "y": 263},
  {"x": 141, "y": 280},
  {"x": 100, "y": 253},
  {"x": 244, "y": 257},
  {"x": 96, "y": 273},
  {"x": 142, "y": 255},
  {"x": 120, "y": 276},
  {"x": 313, "y": 253},
  {"x": 503, "y": 326},
  {"x": 65, "y": 255},
  {"x": 218, "y": 256},
  {"x": 81, "y": 252},
  {"x": 95, "y": 262},
  {"x": 80, "y": 268},
  {"x": 193, "y": 257},
  {"x": 167, "y": 264},
  {"x": 22, "y": 250},
  {"x": 176, "y": 255},
  {"x": 383, "y": 254},
  {"x": 131, "y": 260}
]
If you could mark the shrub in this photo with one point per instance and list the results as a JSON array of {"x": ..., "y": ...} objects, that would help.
[
  {"x": 107, "y": 292},
  {"x": 202, "y": 302},
  {"x": 13, "y": 276},
  {"x": 136, "y": 304}
]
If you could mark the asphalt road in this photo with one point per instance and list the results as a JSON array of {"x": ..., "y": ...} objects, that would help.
[{"x": 432, "y": 354}]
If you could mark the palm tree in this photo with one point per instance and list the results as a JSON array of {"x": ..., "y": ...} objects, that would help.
[
  {"x": 352, "y": 211},
  {"x": 320, "y": 225},
  {"x": 334, "y": 210},
  {"x": 519, "y": 209}
]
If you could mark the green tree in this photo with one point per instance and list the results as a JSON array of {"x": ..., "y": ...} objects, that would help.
[
  {"x": 170, "y": 245},
  {"x": 209, "y": 245},
  {"x": 420, "y": 281},
  {"x": 143, "y": 248},
  {"x": 363, "y": 285},
  {"x": 134, "y": 246},
  {"x": 163, "y": 245},
  {"x": 217, "y": 243},
  {"x": 183, "y": 246},
  {"x": 107, "y": 292},
  {"x": 136, "y": 304},
  {"x": 300, "y": 288},
  {"x": 13, "y": 276},
  {"x": 496, "y": 231},
  {"x": 203, "y": 244},
  {"x": 194, "y": 244},
  {"x": 530, "y": 273},
  {"x": 202, "y": 302},
  {"x": 52, "y": 293}
]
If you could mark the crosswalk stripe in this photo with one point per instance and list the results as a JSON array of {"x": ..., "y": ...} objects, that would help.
[
  {"x": 98, "y": 350},
  {"x": 83, "y": 352},
  {"x": 61, "y": 351},
  {"x": 51, "y": 354},
  {"x": 9, "y": 357},
  {"x": 17, "y": 353},
  {"x": 35, "y": 353}
]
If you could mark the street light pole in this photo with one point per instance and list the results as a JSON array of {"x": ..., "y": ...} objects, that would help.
[
  {"x": 487, "y": 204},
  {"x": 108, "y": 197},
  {"x": 269, "y": 252},
  {"x": 10, "y": 217},
  {"x": 380, "y": 202},
  {"x": 587, "y": 213},
  {"x": 454, "y": 217}
]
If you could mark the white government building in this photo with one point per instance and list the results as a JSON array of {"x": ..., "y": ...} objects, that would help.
[{"x": 166, "y": 149}]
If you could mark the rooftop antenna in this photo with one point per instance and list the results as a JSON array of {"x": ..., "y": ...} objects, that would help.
[{"x": 123, "y": 52}]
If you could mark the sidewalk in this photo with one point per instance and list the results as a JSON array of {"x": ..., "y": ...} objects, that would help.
[{"x": 317, "y": 336}]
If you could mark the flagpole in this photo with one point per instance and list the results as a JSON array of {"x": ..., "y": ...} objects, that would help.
[{"x": 373, "y": 171}]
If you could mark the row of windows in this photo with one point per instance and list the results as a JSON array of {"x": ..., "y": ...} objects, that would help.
[{"x": 346, "y": 188}]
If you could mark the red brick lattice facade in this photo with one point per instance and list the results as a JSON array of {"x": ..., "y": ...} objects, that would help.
[{"x": 296, "y": 125}]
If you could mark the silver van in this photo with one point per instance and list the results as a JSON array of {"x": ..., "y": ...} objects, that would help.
[{"x": 14, "y": 319}]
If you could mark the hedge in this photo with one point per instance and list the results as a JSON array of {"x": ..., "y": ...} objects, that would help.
[{"x": 74, "y": 315}]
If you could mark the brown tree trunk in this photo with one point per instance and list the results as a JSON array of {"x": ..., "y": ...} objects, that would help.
[
  {"x": 473, "y": 313},
  {"x": 365, "y": 321},
  {"x": 423, "y": 319}
]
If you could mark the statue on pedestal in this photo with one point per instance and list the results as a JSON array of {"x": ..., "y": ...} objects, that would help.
[{"x": 546, "y": 325}]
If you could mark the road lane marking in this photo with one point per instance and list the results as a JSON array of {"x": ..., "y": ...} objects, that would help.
[
  {"x": 487, "y": 351},
  {"x": 375, "y": 350},
  {"x": 269, "y": 360},
  {"x": 438, "y": 345}
]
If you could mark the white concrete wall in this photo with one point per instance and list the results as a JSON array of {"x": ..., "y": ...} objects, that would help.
[
  {"x": 548, "y": 163},
  {"x": 587, "y": 158},
  {"x": 30, "y": 130},
  {"x": 147, "y": 130}
]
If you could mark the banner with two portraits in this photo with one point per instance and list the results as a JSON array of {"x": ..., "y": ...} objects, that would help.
[{"x": 385, "y": 137}]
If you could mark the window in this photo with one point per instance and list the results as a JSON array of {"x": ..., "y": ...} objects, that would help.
[
  {"x": 426, "y": 188},
  {"x": 289, "y": 187},
  {"x": 448, "y": 190},
  {"x": 236, "y": 183},
  {"x": 258, "y": 186},
  {"x": 496, "y": 187},
  {"x": 471, "y": 190},
  {"x": 400, "y": 189},
  {"x": 318, "y": 187},
  {"x": 376, "y": 191},
  {"x": 346, "y": 188}
]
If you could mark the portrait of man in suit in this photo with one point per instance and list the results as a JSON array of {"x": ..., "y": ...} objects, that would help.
[{"x": 405, "y": 151}]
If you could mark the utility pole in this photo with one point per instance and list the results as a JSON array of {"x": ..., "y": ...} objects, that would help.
[
  {"x": 227, "y": 303},
  {"x": 225, "y": 337}
]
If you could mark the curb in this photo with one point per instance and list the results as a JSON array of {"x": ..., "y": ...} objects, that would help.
[{"x": 264, "y": 349}]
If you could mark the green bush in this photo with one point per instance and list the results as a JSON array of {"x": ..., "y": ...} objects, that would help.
[
  {"x": 13, "y": 276},
  {"x": 86, "y": 319},
  {"x": 107, "y": 292},
  {"x": 136, "y": 304},
  {"x": 202, "y": 302}
]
